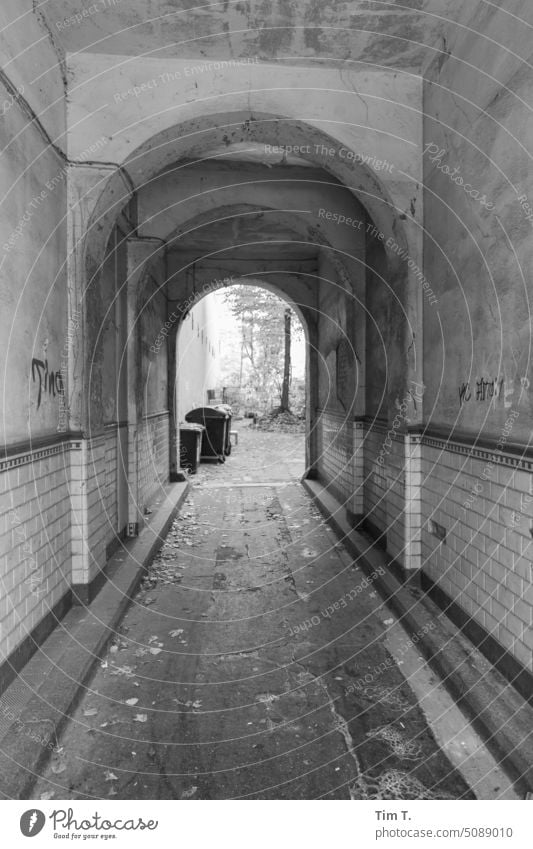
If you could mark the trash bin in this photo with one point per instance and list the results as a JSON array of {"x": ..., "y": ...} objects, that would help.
[
  {"x": 216, "y": 433},
  {"x": 226, "y": 409},
  {"x": 190, "y": 446}
]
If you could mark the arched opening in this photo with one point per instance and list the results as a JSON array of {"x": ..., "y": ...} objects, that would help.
[
  {"x": 243, "y": 343},
  {"x": 321, "y": 230}
]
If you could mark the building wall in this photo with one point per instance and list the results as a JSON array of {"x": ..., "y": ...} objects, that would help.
[
  {"x": 153, "y": 457},
  {"x": 477, "y": 368},
  {"x": 197, "y": 357},
  {"x": 35, "y": 542},
  {"x": 460, "y": 512},
  {"x": 35, "y": 506},
  {"x": 484, "y": 562},
  {"x": 375, "y": 482},
  {"x": 335, "y": 446},
  {"x": 152, "y": 390}
]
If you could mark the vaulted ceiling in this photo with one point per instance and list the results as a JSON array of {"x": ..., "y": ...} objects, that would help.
[{"x": 392, "y": 33}]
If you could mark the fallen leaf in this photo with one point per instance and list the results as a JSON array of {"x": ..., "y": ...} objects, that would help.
[
  {"x": 58, "y": 768},
  {"x": 140, "y": 717},
  {"x": 47, "y": 795},
  {"x": 123, "y": 670},
  {"x": 131, "y": 702},
  {"x": 155, "y": 651},
  {"x": 188, "y": 793},
  {"x": 110, "y": 776},
  {"x": 90, "y": 712},
  {"x": 175, "y": 633}
]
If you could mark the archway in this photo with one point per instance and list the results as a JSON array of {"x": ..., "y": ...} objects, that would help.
[
  {"x": 250, "y": 357},
  {"x": 330, "y": 260}
]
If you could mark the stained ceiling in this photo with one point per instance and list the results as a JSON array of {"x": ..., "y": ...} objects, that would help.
[{"x": 396, "y": 33}]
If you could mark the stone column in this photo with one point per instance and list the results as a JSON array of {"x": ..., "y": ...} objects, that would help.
[
  {"x": 358, "y": 472},
  {"x": 413, "y": 503},
  {"x": 140, "y": 252},
  {"x": 83, "y": 382}
]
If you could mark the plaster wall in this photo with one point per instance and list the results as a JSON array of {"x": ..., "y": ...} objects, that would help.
[
  {"x": 33, "y": 67},
  {"x": 478, "y": 248},
  {"x": 339, "y": 370},
  {"x": 377, "y": 315},
  {"x": 307, "y": 32},
  {"x": 477, "y": 252},
  {"x": 153, "y": 358},
  {"x": 112, "y": 289},
  {"x": 114, "y": 403},
  {"x": 197, "y": 357},
  {"x": 156, "y": 94},
  {"x": 35, "y": 503},
  {"x": 172, "y": 203},
  {"x": 152, "y": 387},
  {"x": 33, "y": 318}
]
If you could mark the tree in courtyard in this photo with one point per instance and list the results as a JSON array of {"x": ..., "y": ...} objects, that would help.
[{"x": 266, "y": 327}]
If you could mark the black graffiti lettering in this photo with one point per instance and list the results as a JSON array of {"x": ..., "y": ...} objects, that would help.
[
  {"x": 49, "y": 381},
  {"x": 485, "y": 389},
  {"x": 37, "y": 365},
  {"x": 464, "y": 393},
  {"x": 60, "y": 386}
]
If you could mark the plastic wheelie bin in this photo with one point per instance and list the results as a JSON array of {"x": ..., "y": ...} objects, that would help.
[
  {"x": 227, "y": 409},
  {"x": 215, "y": 435},
  {"x": 190, "y": 446}
]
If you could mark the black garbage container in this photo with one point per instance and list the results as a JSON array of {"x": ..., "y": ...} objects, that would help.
[
  {"x": 215, "y": 435},
  {"x": 226, "y": 409},
  {"x": 190, "y": 445}
]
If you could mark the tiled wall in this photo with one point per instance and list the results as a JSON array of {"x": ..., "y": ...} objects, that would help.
[
  {"x": 153, "y": 456},
  {"x": 35, "y": 539},
  {"x": 110, "y": 492},
  {"x": 335, "y": 454},
  {"x": 375, "y": 479},
  {"x": 485, "y": 562},
  {"x": 483, "y": 505},
  {"x": 482, "y": 501},
  {"x": 90, "y": 530}
]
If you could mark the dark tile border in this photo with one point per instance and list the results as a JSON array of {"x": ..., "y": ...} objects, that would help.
[
  {"x": 13, "y": 664},
  {"x": 478, "y": 446},
  {"x": 511, "y": 668},
  {"x": 38, "y": 444},
  {"x": 83, "y": 594}
]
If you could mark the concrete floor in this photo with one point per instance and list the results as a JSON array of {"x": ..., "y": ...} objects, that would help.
[{"x": 255, "y": 663}]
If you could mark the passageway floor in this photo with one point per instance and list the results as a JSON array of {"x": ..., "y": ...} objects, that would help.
[{"x": 253, "y": 663}]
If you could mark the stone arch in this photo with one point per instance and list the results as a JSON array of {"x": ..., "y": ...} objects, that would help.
[
  {"x": 306, "y": 318},
  {"x": 191, "y": 139}
]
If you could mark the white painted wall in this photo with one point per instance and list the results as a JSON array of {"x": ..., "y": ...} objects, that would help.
[{"x": 198, "y": 355}]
